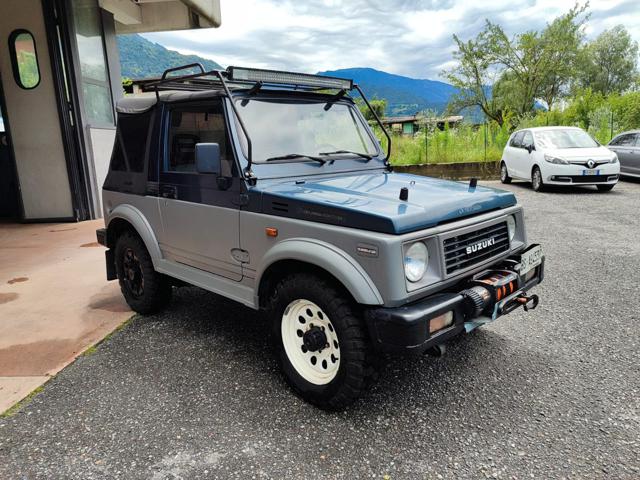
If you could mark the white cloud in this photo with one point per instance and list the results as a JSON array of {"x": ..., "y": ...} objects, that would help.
[{"x": 407, "y": 37}]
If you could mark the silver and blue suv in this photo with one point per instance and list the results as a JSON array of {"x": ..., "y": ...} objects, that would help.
[{"x": 271, "y": 189}]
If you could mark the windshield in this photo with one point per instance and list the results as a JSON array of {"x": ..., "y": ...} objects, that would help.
[
  {"x": 302, "y": 129},
  {"x": 570, "y": 138}
]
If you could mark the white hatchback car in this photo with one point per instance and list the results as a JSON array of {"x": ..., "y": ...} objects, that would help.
[{"x": 558, "y": 156}]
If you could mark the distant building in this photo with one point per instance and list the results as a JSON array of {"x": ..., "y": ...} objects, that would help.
[{"x": 411, "y": 124}]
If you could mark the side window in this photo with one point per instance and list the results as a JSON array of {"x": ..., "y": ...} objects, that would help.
[
  {"x": 130, "y": 149},
  {"x": 24, "y": 59},
  {"x": 516, "y": 140},
  {"x": 527, "y": 140},
  {"x": 624, "y": 141},
  {"x": 637, "y": 140},
  {"x": 192, "y": 126}
]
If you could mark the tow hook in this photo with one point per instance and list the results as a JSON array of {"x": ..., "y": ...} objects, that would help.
[{"x": 528, "y": 302}]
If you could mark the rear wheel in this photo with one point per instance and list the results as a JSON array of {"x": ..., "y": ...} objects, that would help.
[
  {"x": 504, "y": 173},
  {"x": 321, "y": 342},
  {"x": 144, "y": 289},
  {"x": 605, "y": 188},
  {"x": 536, "y": 179}
]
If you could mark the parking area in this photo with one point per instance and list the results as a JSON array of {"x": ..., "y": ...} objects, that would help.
[{"x": 194, "y": 392}]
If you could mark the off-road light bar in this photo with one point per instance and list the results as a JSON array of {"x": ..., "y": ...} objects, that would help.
[{"x": 276, "y": 77}]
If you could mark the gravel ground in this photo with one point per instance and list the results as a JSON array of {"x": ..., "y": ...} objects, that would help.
[{"x": 193, "y": 392}]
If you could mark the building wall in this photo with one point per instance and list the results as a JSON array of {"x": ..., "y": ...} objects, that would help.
[{"x": 32, "y": 116}]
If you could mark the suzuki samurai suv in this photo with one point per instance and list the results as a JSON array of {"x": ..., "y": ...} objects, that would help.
[{"x": 271, "y": 189}]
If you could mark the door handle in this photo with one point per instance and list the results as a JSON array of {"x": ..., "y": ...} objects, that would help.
[{"x": 169, "y": 191}]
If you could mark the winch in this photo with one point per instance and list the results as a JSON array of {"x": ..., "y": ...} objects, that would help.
[{"x": 491, "y": 294}]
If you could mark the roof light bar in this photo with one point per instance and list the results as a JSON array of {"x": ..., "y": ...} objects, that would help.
[{"x": 287, "y": 78}]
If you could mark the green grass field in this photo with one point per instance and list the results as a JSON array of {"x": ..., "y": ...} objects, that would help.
[{"x": 464, "y": 143}]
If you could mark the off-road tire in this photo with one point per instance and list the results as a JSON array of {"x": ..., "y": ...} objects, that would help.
[
  {"x": 504, "y": 173},
  {"x": 156, "y": 288},
  {"x": 605, "y": 188},
  {"x": 536, "y": 183},
  {"x": 359, "y": 364}
]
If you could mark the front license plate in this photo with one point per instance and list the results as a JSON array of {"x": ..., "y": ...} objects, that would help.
[
  {"x": 530, "y": 260},
  {"x": 590, "y": 172}
]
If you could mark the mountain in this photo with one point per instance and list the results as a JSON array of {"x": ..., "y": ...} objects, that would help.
[
  {"x": 404, "y": 95},
  {"x": 140, "y": 58}
]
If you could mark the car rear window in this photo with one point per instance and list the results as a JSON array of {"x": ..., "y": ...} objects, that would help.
[{"x": 131, "y": 142}]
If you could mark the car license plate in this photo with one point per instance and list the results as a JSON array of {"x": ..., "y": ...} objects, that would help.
[
  {"x": 590, "y": 172},
  {"x": 530, "y": 259}
]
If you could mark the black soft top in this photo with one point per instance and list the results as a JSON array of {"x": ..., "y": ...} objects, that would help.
[{"x": 142, "y": 102}]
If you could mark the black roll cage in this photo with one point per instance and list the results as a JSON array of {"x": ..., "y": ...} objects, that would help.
[{"x": 222, "y": 79}]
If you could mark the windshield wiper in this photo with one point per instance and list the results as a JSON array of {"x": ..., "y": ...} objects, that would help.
[
  {"x": 341, "y": 152},
  {"x": 294, "y": 156}
]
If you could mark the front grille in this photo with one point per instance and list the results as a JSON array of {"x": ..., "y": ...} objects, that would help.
[
  {"x": 487, "y": 243},
  {"x": 591, "y": 178}
]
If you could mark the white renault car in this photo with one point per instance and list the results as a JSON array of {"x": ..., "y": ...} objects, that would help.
[{"x": 558, "y": 156}]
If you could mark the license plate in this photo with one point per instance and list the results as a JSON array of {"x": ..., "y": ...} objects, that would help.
[
  {"x": 530, "y": 260},
  {"x": 590, "y": 172}
]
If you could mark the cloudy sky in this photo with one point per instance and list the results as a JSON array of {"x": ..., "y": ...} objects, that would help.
[{"x": 406, "y": 37}]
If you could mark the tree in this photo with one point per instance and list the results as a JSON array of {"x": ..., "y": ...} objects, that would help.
[
  {"x": 377, "y": 104},
  {"x": 531, "y": 65},
  {"x": 610, "y": 63},
  {"x": 472, "y": 75}
]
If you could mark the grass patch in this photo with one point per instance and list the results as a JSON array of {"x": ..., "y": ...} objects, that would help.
[
  {"x": 462, "y": 144},
  {"x": 22, "y": 403}
]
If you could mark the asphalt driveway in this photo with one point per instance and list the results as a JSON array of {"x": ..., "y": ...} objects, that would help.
[{"x": 193, "y": 392}]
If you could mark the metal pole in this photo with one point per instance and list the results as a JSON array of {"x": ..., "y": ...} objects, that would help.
[
  {"x": 426, "y": 142},
  {"x": 485, "y": 140},
  {"x": 611, "y": 132}
]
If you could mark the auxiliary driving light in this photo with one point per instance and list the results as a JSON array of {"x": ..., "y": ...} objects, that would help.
[
  {"x": 287, "y": 78},
  {"x": 440, "y": 322}
]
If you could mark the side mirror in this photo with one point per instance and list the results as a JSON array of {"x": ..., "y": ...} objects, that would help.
[
  {"x": 530, "y": 148},
  {"x": 208, "y": 158}
]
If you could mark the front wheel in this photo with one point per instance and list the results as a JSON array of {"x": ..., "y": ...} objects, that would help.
[
  {"x": 504, "y": 173},
  {"x": 321, "y": 342},
  {"x": 536, "y": 180},
  {"x": 605, "y": 188}
]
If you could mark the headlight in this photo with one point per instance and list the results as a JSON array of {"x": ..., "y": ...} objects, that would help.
[
  {"x": 511, "y": 226},
  {"x": 556, "y": 160},
  {"x": 416, "y": 258},
  {"x": 615, "y": 158}
]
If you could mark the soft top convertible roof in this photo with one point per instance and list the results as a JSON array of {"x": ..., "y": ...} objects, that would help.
[
  {"x": 203, "y": 85},
  {"x": 141, "y": 102}
]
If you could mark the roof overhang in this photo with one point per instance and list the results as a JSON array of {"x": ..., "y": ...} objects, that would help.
[{"x": 139, "y": 16}]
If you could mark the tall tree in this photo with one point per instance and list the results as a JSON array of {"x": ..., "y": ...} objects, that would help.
[
  {"x": 526, "y": 67},
  {"x": 610, "y": 62},
  {"x": 472, "y": 76}
]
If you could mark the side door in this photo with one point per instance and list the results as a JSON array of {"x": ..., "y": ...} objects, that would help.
[
  {"x": 634, "y": 157},
  {"x": 623, "y": 146},
  {"x": 200, "y": 212},
  {"x": 528, "y": 154},
  {"x": 514, "y": 164}
]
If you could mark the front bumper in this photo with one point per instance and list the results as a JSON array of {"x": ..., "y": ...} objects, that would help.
[
  {"x": 607, "y": 173},
  {"x": 405, "y": 329}
]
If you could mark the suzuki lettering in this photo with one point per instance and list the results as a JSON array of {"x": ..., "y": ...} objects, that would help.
[{"x": 481, "y": 245}]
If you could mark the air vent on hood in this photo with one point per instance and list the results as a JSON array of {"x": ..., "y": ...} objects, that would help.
[{"x": 280, "y": 206}]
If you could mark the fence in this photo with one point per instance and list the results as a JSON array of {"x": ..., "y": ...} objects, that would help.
[{"x": 485, "y": 142}]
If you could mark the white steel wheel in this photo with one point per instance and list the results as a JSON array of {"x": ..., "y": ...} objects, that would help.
[{"x": 310, "y": 342}]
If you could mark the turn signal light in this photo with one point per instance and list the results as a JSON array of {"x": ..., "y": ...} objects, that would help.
[
  {"x": 271, "y": 232},
  {"x": 440, "y": 322}
]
